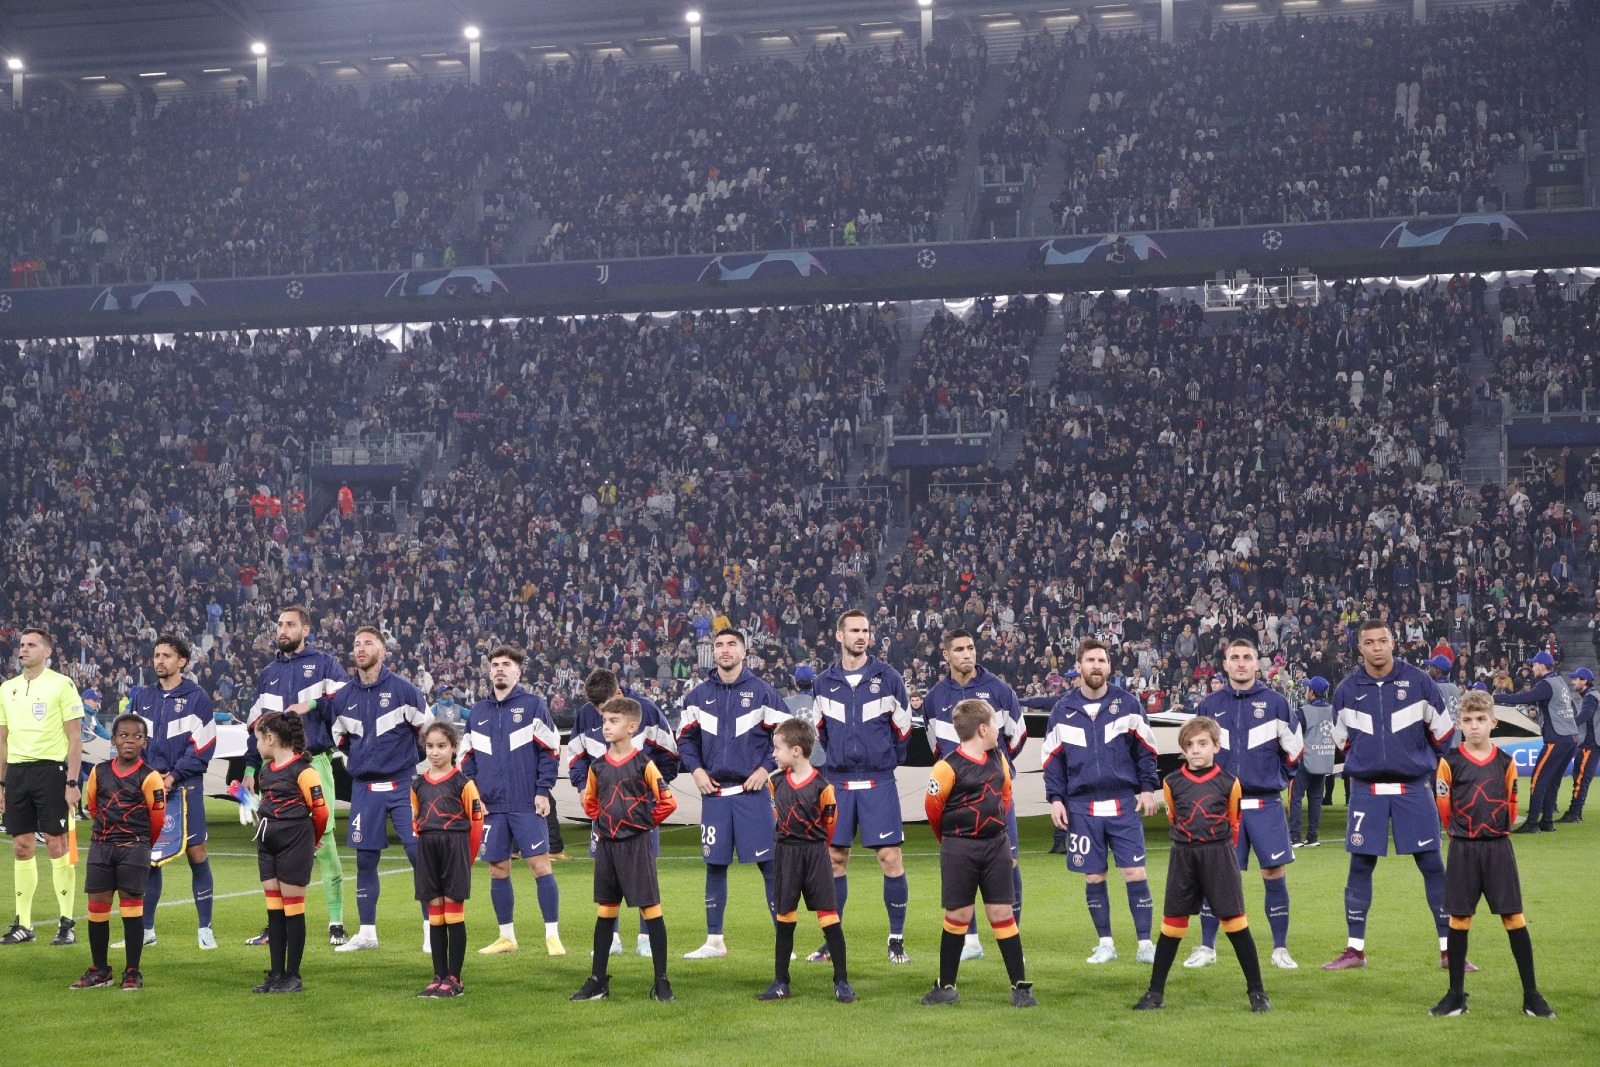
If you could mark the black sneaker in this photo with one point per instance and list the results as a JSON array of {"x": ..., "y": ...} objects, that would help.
[
  {"x": 942, "y": 994},
  {"x": 65, "y": 935},
  {"x": 1535, "y": 1005},
  {"x": 1259, "y": 1001},
  {"x": 431, "y": 990},
  {"x": 336, "y": 934},
  {"x": 844, "y": 993},
  {"x": 593, "y": 989},
  {"x": 259, "y": 939},
  {"x": 1022, "y": 996},
  {"x": 776, "y": 991},
  {"x": 1571, "y": 816},
  {"x": 17, "y": 935},
  {"x": 266, "y": 985},
  {"x": 1452, "y": 1004},
  {"x": 1548, "y": 826},
  {"x": 287, "y": 983},
  {"x": 451, "y": 987},
  {"x": 94, "y": 978},
  {"x": 1058, "y": 849},
  {"x": 132, "y": 979},
  {"x": 1312, "y": 842},
  {"x": 1150, "y": 1001},
  {"x": 897, "y": 950},
  {"x": 662, "y": 991},
  {"x": 1529, "y": 827}
]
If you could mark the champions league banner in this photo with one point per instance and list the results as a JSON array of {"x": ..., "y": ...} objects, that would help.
[{"x": 730, "y": 269}]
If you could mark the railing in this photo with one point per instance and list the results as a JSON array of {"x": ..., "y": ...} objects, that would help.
[
  {"x": 974, "y": 489},
  {"x": 358, "y": 452},
  {"x": 1541, "y": 405},
  {"x": 1243, "y": 291}
]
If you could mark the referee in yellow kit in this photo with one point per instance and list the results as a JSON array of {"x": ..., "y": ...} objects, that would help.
[{"x": 40, "y": 749}]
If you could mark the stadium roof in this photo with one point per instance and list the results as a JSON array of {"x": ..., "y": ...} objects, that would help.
[{"x": 117, "y": 38}]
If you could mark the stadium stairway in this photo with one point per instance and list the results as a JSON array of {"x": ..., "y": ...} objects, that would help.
[
  {"x": 958, "y": 201},
  {"x": 1074, "y": 98},
  {"x": 1482, "y": 459},
  {"x": 1042, "y": 367},
  {"x": 322, "y": 498},
  {"x": 1591, "y": 99}
]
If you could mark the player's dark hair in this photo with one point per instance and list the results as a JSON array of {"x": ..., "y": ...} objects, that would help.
[
  {"x": 515, "y": 655},
  {"x": 144, "y": 727},
  {"x": 41, "y": 633},
  {"x": 732, "y": 631},
  {"x": 852, "y": 613},
  {"x": 969, "y": 715},
  {"x": 374, "y": 631},
  {"x": 600, "y": 686},
  {"x": 952, "y": 636},
  {"x": 1089, "y": 644},
  {"x": 300, "y": 610},
  {"x": 796, "y": 733},
  {"x": 1371, "y": 624},
  {"x": 627, "y": 707},
  {"x": 1241, "y": 642},
  {"x": 177, "y": 644},
  {"x": 1200, "y": 724},
  {"x": 452, "y": 733},
  {"x": 286, "y": 727}
]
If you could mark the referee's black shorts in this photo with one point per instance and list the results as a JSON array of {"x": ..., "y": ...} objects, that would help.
[
  {"x": 1482, "y": 868},
  {"x": 1204, "y": 874},
  {"x": 36, "y": 798}
]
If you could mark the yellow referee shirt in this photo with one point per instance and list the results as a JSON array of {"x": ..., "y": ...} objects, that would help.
[{"x": 35, "y": 715}]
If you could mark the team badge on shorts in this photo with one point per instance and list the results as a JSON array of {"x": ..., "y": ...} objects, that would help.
[{"x": 1357, "y": 840}]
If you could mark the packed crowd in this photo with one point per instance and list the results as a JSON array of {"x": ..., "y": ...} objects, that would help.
[
  {"x": 596, "y": 513},
  {"x": 319, "y": 179},
  {"x": 1544, "y": 347},
  {"x": 845, "y": 147},
  {"x": 973, "y": 373},
  {"x": 1021, "y": 132},
  {"x": 1305, "y": 119},
  {"x": 1278, "y": 478}
]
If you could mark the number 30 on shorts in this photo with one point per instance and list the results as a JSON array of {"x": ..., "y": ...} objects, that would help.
[{"x": 1078, "y": 844}]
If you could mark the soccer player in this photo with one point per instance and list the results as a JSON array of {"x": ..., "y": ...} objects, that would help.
[
  {"x": 1558, "y": 725},
  {"x": 510, "y": 753},
  {"x": 625, "y": 796},
  {"x": 127, "y": 801},
  {"x": 969, "y": 796},
  {"x": 1392, "y": 727},
  {"x": 1477, "y": 793},
  {"x": 726, "y": 742},
  {"x": 1316, "y": 727},
  {"x": 447, "y": 818},
  {"x": 1261, "y": 749},
  {"x": 377, "y": 720},
  {"x": 805, "y": 811},
  {"x": 1203, "y": 807},
  {"x": 654, "y": 738},
  {"x": 293, "y": 818},
  {"x": 299, "y": 680},
  {"x": 864, "y": 720},
  {"x": 1100, "y": 777},
  {"x": 183, "y": 733},
  {"x": 1588, "y": 746},
  {"x": 966, "y": 680},
  {"x": 41, "y": 745}
]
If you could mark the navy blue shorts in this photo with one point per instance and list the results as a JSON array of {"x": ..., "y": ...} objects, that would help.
[
  {"x": 375, "y": 804},
  {"x": 527, "y": 830},
  {"x": 1091, "y": 835},
  {"x": 873, "y": 807},
  {"x": 1264, "y": 829},
  {"x": 1377, "y": 807},
  {"x": 742, "y": 821}
]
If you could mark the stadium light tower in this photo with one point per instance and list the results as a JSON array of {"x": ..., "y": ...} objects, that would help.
[
  {"x": 18, "y": 73},
  {"x": 696, "y": 59},
  {"x": 927, "y": 23},
  {"x": 474, "y": 54},
  {"x": 259, "y": 50}
]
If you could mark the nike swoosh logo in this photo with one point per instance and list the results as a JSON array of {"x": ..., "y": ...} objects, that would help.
[
  {"x": 889, "y": 834},
  {"x": 1421, "y": 844},
  {"x": 1277, "y": 855},
  {"x": 763, "y": 852},
  {"x": 1363, "y": 696},
  {"x": 1139, "y": 857}
]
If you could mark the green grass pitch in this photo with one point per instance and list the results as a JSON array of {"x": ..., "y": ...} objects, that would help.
[{"x": 361, "y": 1008}]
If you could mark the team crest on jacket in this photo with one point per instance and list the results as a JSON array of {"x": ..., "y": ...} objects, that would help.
[
  {"x": 874, "y": 686},
  {"x": 516, "y": 716},
  {"x": 178, "y": 704},
  {"x": 982, "y": 695},
  {"x": 744, "y": 700},
  {"x": 1261, "y": 708},
  {"x": 309, "y": 669},
  {"x": 383, "y": 700}
]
